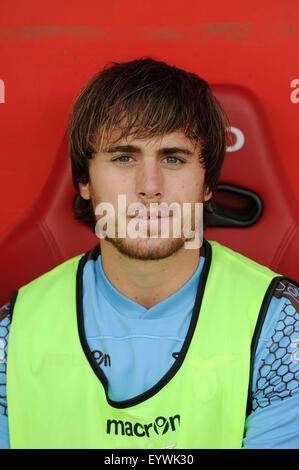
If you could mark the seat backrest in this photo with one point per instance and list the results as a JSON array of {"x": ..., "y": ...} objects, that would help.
[
  {"x": 254, "y": 164},
  {"x": 48, "y": 234}
]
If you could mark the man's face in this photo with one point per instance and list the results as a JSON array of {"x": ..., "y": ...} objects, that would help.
[{"x": 154, "y": 170}]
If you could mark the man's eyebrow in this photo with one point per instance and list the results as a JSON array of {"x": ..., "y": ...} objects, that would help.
[
  {"x": 172, "y": 150},
  {"x": 162, "y": 151},
  {"x": 123, "y": 148}
]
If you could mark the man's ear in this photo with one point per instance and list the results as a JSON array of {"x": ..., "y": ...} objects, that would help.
[
  {"x": 207, "y": 194},
  {"x": 84, "y": 190}
]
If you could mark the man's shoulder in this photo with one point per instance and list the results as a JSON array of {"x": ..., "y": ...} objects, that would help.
[
  {"x": 69, "y": 265},
  {"x": 289, "y": 289},
  {"x": 241, "y": 260},
  {"x": 59, "y": 273},
  {"x": 5, "y": 314}
]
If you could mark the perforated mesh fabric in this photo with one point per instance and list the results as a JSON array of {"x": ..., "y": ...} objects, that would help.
[
  {"x": 5, "y": 319},
  {"x": 278, "y": 374}
]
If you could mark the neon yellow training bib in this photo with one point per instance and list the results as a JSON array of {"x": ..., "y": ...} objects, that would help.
[{"x": 57, "y": 397}]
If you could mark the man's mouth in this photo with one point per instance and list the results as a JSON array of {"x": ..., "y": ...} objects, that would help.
[{"x": 151, "y": 216}]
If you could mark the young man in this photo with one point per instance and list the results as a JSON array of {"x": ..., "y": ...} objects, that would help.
[{"x": 150, "y": 340}]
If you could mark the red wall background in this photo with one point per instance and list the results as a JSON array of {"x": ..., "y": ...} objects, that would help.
[{"x": 49, "y": 49}]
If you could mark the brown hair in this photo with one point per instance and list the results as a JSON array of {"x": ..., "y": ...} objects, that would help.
[{"x": 144, "y": 98}]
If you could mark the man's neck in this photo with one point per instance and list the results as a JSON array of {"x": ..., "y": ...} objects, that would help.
[{"x": 148, "y": 282}]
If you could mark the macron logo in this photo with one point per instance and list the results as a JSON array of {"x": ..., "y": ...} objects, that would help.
[{"x": 160, "y": 426}]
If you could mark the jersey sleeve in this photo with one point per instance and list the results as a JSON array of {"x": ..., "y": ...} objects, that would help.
[
  {"x": 5, "y": 321},
  {"x": 274, "y": 420}
]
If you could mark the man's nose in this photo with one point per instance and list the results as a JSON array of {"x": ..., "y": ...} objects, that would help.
[{"x": 149, "y": 181}]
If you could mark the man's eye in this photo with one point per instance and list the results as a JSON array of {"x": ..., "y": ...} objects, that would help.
[
  {"x": 123, "y": 159},
  {"x": 174, "y": 160}
]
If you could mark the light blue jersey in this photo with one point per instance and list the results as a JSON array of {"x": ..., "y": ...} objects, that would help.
[{"x": 136, "y": 346}]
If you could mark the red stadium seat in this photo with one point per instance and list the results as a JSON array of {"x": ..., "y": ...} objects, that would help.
[
  {"x": 255, "y": 165},
  {"x": 47, "y": 234}
]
